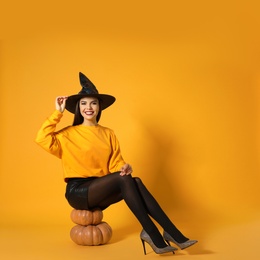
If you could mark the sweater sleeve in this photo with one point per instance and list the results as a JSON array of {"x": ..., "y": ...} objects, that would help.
[
  {"x": 116, "y": 160},
  {"x": 46, "y": 136}
]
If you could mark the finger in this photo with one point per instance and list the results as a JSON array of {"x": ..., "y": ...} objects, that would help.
[
  {"x": 129, "y": 168},
  {"x": 129, "y": 172},
  {"x": 123, "y": 168},
  {"x": 62, "y": 99}
]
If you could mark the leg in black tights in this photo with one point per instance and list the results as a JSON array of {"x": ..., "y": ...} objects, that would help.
[
  {"x": 156, "y": 212},
  {"x": 112, "y": 188}
]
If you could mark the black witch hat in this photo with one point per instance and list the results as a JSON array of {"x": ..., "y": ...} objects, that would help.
[{"x": 88, "y": 90}]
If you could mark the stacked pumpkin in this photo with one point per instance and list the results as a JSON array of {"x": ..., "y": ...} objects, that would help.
[{"x": 90, "y": 229}]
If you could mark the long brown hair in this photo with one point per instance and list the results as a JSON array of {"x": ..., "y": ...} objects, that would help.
[{"x": 78, "y": 118}]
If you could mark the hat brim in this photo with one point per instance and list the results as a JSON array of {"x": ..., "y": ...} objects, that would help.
[{"x": 106, "y": 101}]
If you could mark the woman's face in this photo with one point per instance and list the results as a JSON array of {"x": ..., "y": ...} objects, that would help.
[{"x": 89, "y": 108}]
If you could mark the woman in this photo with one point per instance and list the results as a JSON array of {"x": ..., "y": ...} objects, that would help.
[{"x": 95, "y": 172}]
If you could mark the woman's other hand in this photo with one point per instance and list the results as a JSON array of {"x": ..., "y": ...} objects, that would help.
[
  {"x": 60, "y": 103},
  {"x": 126, "y": 169}
]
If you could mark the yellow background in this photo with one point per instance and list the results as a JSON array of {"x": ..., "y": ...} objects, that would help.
[{"x": 186, "y": 76}]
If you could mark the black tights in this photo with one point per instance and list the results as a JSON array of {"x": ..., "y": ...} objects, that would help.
[{"x": 112, "y": 188}]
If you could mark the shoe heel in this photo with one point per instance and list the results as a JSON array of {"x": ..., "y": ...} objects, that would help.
[
  {"x": 168, "y": 243},
  {"x": 143, "y": 242},
  {"x": 146, "y": 238}
]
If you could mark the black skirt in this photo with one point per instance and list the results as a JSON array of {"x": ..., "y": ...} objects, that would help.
[{"x": 77, "y": 192}]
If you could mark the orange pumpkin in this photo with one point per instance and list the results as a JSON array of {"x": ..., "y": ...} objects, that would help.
[
  {"x": 91, "y": 235},
  {"x": 86, "y": 217}
]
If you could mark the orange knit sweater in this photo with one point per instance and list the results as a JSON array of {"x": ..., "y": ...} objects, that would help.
[{"x": 85, "y": 151}]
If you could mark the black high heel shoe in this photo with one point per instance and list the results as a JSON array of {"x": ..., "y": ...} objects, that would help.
[
  {"x": 146, "y": 238},
  {"x": 183, "y": 245}
]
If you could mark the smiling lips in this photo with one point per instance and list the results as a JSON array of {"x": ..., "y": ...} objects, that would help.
[{"x": 89, "y": 113}]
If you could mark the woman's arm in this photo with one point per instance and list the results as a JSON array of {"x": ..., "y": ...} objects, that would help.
[
  {"x": 117, "y": 162},
  {"x": 46, "y": 136}
]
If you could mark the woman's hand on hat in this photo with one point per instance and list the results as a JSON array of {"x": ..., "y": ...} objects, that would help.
[
  {"x": 126, "y": 169},
  {"x": 60, "y": 103}
]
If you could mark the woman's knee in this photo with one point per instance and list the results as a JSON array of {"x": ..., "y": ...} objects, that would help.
[
  {"x": 122, "y": 179},
  {"x": 127, "y": 179}
]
